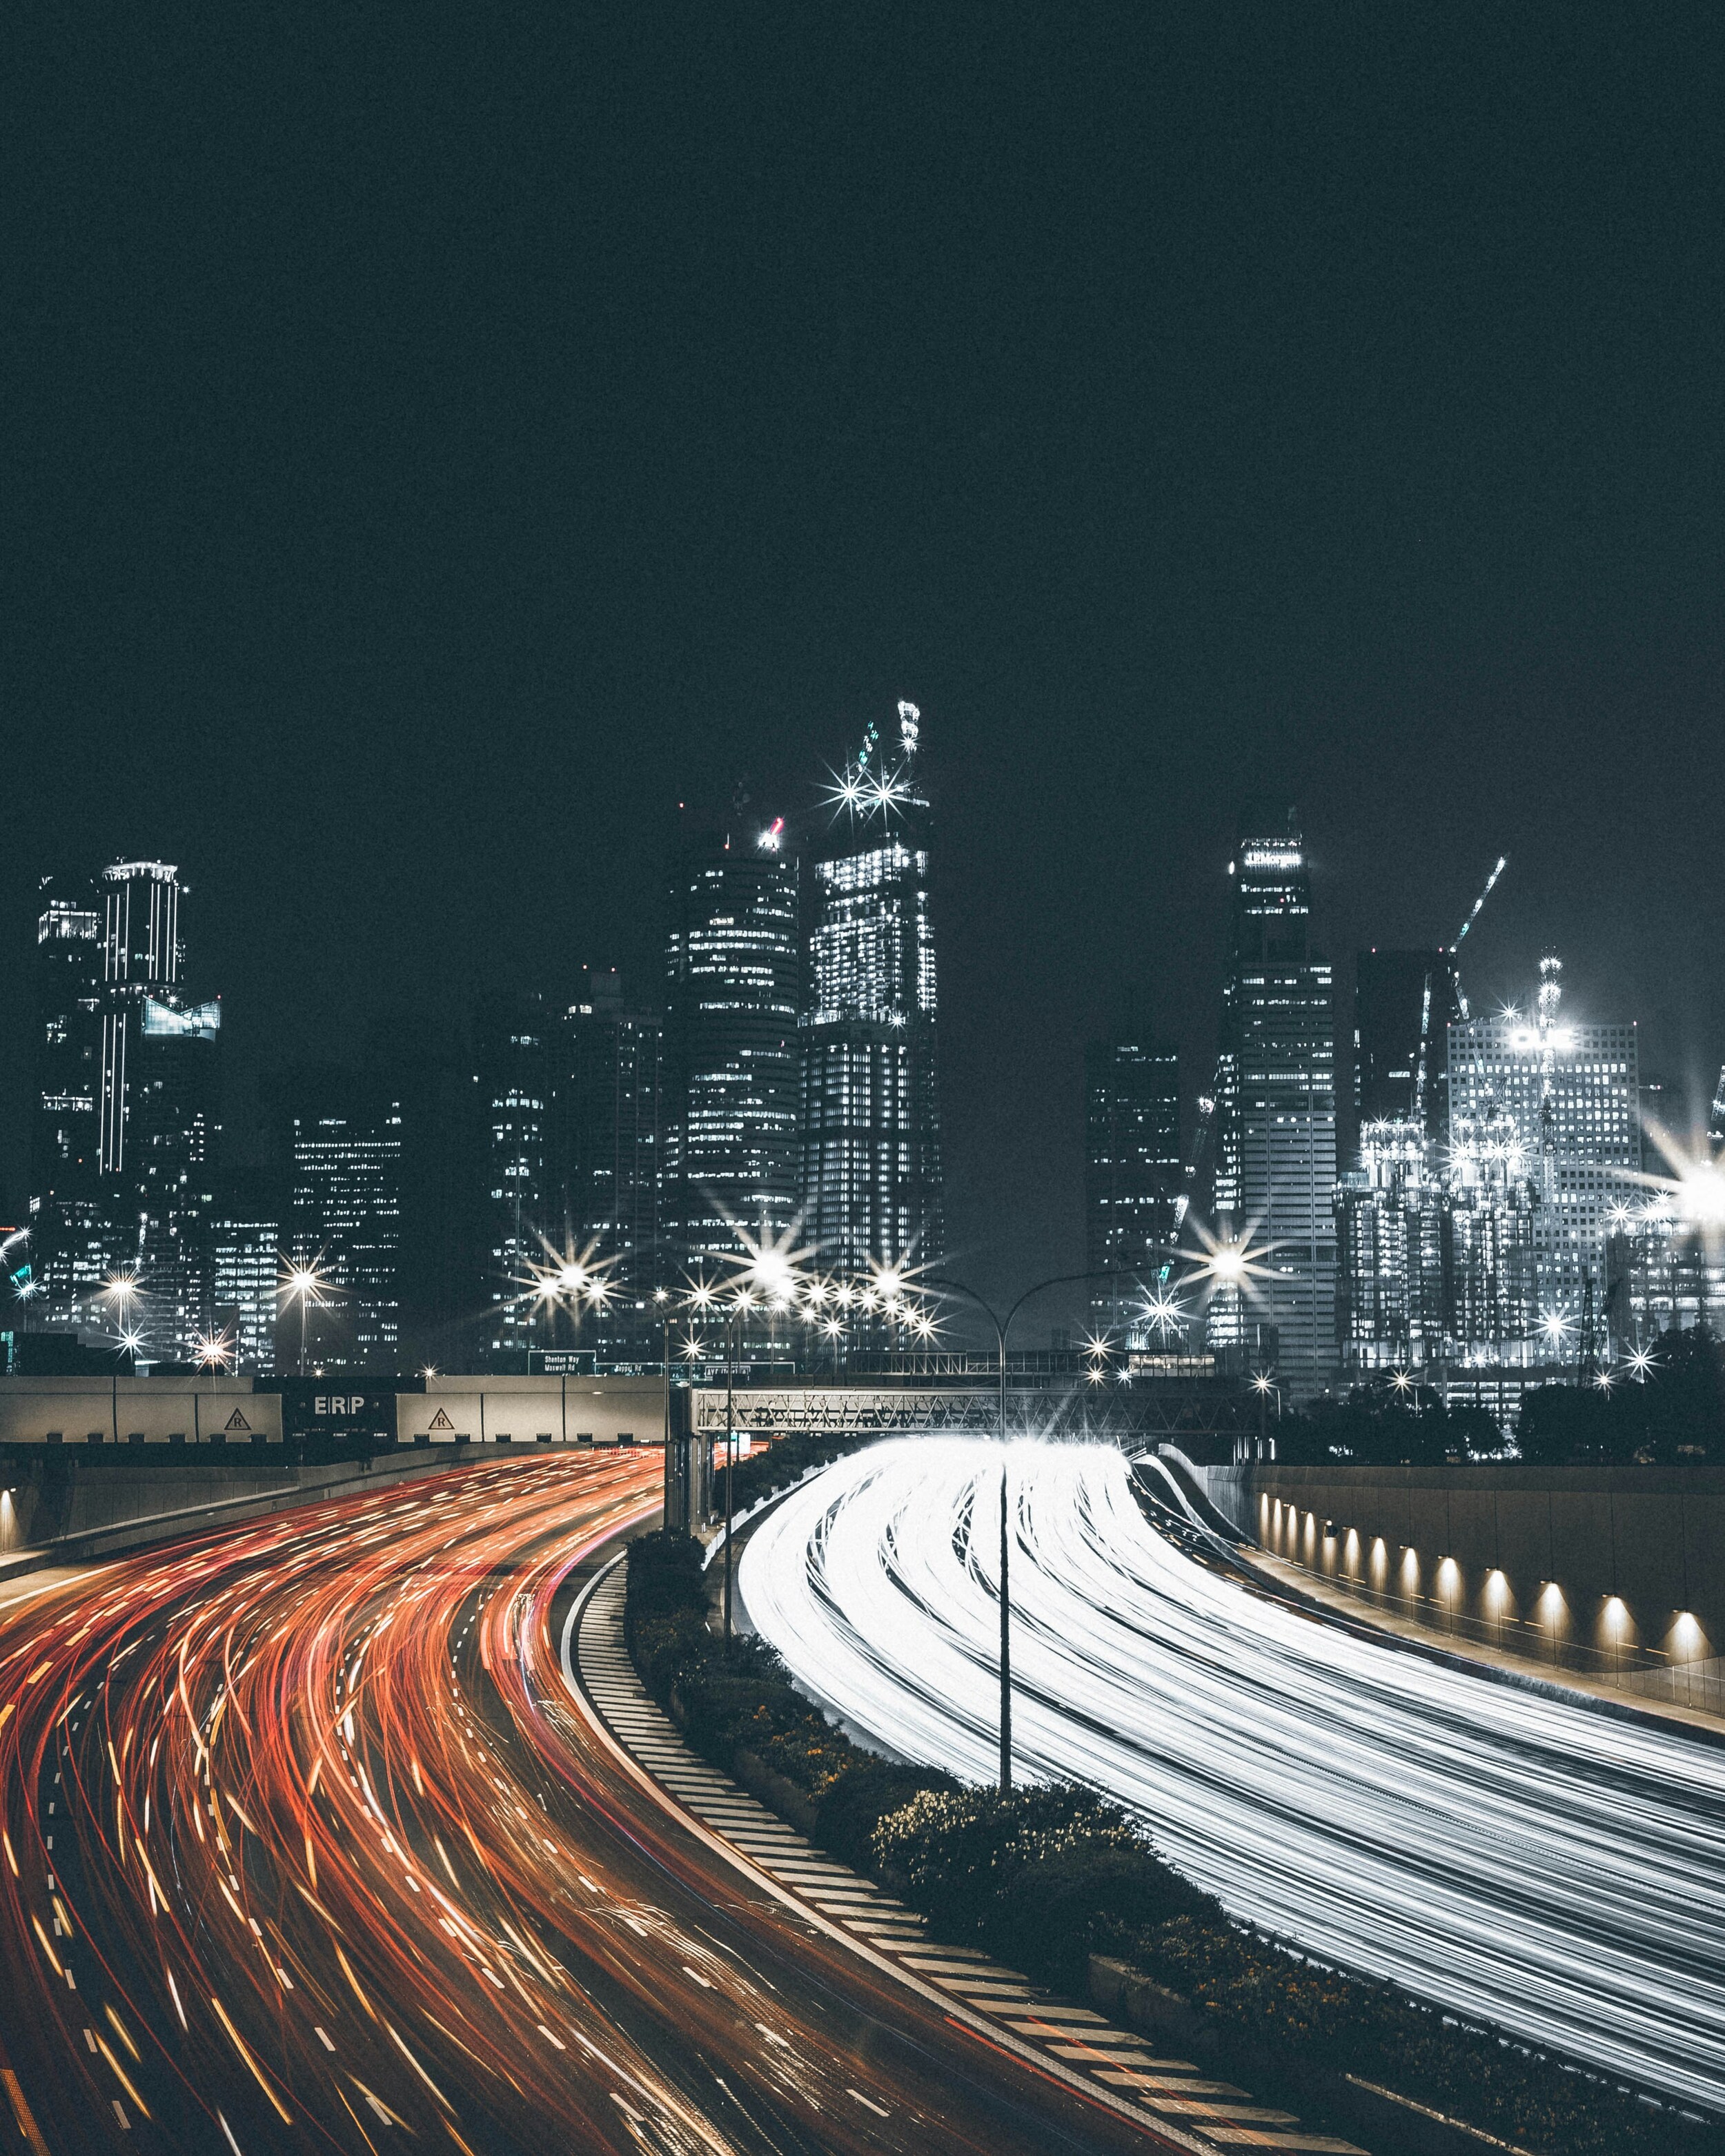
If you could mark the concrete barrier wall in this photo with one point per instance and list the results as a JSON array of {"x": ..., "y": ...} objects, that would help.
[
  {"x": 533, "y": 1410},
  {"x": 95, "y": 1411},
  {"x": 1603, "y": 1561}
]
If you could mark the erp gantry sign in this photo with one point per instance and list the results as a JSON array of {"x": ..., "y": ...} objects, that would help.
[{"x": 343, "y": 1414}]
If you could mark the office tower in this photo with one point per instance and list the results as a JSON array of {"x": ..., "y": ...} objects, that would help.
[
  {"x": 733, "y": 981},
  {"x": 870, "y": 1110},
  {"x": 1276, "y": 1111},
  {"x": 142, "y": 956},
  {"x": 247, "y": 1240},
  {"x": 1132, "y": 1171},
  {"x": 173, "y": 1105},
  {"x": 1491, "y": 1293},
  {"x": 65, "y": 1147},
  {"x": 512, "y": 1064},
  {"x": 1716, "y": 1118},
  {"x": 1570, "y": 1094},
  {"x": 67, "y": 1244},
  {"x": 607, "y": 1145},
  {"x": 1403, "y": 1004},
  {"x": 1390, "y": 1229},
  {"x": 343, "y": 1133}
]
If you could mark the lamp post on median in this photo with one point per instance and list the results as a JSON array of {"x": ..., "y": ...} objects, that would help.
[{"x": 1002, "y": 1325}]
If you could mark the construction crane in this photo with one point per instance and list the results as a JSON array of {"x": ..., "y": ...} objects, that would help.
[{"x": 1461, "y": 934}]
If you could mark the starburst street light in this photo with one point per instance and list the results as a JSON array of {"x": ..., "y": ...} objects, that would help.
[
  {"x": 121, "y": 1289},
  {"x": 1165, "y": 1312},
  {"x": 213, "y": 1351},
  {"x": 306, "y": 1285},
  {"x": 1642, "y": 1363},
  {"x": 1234, "y": 1262}
]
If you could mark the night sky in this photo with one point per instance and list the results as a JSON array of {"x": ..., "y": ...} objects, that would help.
[{"x": 438, "y": 441}]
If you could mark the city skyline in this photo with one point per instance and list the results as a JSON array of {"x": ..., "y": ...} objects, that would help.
[{"x": 650, "y": 1145}]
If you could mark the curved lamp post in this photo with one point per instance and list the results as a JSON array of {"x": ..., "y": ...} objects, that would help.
[{"x": 1002, "y": 1325}]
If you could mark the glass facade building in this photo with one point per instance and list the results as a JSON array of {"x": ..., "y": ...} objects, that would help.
[
  {"x": 245, "y": 1251},
  {"x": 346, "y": 1159},
  {"x": 512, "y": 1058},
  {"x": 1566, "y": 1097},
  {"x": 1404, "y": 1002},
  {"x": 69, "y": 1244},
  {"x": 608, "y": 1145},
  {"x": 1132, "y": 1171},
  {"x": 173, "y": 1106},
  {"x": 1276, "y": 1112},
  {"x": 734, "y": 976},
  {"x": 65, "y": 1139},
  {"x": 142, "y": 956},
  {"x": 871, "y": 1106}
]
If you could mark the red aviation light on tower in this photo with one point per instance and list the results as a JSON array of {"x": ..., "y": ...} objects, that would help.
[{"x": 773, "y": 837}]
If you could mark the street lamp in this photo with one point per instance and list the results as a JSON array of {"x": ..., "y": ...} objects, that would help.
[
  {"x": 213, "y": 1351},
  {"x": 1002, "y": 1325},
  {"x": 305, "y": 1284}
]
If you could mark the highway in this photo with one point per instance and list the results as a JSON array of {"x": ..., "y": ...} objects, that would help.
[
  {"x": 306, "y": 1847},
  {"x": 1505, "y": 1851}
]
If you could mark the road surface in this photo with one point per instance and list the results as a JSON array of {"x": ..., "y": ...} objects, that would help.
[
  {"x": 304, "y": 1847},
  {"x": 1515, "y": 1855}
]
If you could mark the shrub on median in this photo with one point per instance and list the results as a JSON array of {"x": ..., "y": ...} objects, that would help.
[
  {"x": 1031, "y": 1876},
  {"x": 786, "y": 1460},
  {"x": 1045, "y": 1877},
  {"x": 740, "y": 1699}
]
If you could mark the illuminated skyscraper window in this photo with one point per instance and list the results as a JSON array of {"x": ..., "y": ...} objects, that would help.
[
  {"x": 607, "y": 1130},
  {"x": 346, "y": 1138},
  {"x": 871, "y": 1109},
  {"x": 1570, "y": 1094},
  {"x": 513, "y": 1073},
  {"x": 1132, "y": 1170},
  {"x": 1276, "y": 1156},
  {"x": 734, "y": 980}
]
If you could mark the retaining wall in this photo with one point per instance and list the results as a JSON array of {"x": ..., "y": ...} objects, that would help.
[{"x": 1617, "y": 1564}]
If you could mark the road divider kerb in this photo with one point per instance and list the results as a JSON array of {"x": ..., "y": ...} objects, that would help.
[{"x": 808, "y": 1911}]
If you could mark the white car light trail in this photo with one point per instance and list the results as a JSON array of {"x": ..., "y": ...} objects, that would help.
[{"x": 1539, "y": 1862}]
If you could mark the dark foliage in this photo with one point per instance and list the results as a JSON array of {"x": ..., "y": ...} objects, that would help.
[
  {"x": 1031, "y": 1875},
  {"x": 1676, "y": 1413},
  {"x": 1046, "y": 1877},
  {"x": 1381, "y": 1427},
  {"x": 1261, "y": 1997},
  {"x": 788, "y": 1459},
  {"x": 740, "y": 1699}
]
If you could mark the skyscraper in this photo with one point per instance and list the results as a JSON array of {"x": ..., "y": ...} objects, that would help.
[
  {"x": 1390, "y": 1221},
  {"x": 173, "y": 1106},
  {"x": 142, "y": 956},
  {"x": 65, "y": 1138},
  {"x": 246, "y": 1241},
  {"x": 344, "y": 1137},
  {"x": 607, "y": 1145},
  {"x": 68, "y": 1253},
  {"x": 1132, "y": 1167},
  {"x": 1275, "y": 1109},
  {"x": 513, "y": 1060},
  {"x": 734, "y": 972},
  {"x": 1569, "y": 1094},
  {"x": 871, "y": 1107},
  {"x": 127, "y": 1110},
  {"x": 1403, "y": 1004}
]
